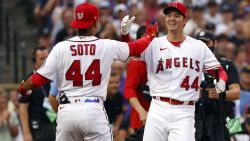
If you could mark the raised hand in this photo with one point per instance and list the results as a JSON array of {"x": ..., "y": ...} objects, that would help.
[
  {"x": 151, "y": 30},
  {"x": 126, "y": 24}
]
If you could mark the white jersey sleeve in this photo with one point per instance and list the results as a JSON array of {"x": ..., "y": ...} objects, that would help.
[
  {"x": 146, "y": 55},
  {"x": 49, "y": 68},
  {"x": 210, "y": 61},
  {"x": 120, "y": 50}
]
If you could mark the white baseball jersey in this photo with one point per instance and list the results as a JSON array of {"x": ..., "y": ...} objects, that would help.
[
  {"x": 82, "y": 65},
  {"x": 176, "y": 72}
]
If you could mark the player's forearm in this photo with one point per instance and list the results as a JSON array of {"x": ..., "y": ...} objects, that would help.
[
  {"x": 125, "y": 38},
  {"x": 34, "y": 81},
  {"x": 23, "y": 109},
  {"x": 119, "y": 120},
  {"x": 136, "y": 104},
  {"x": 138, "y": 46},
  {"x": 233, "y": 93},
  {"x": 221, "y": 73},
  {"x": 54, "y": 103}
]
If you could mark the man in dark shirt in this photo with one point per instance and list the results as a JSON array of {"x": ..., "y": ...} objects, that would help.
[
  {"x": 35, "y": 122},
  {"x": 213, "y": 108},
  {"x": 114, "y": 103}
]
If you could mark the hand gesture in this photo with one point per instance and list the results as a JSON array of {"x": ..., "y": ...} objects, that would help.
[
  {"x": 151, "y": 30},
  {"x": 126, "y": 24}
]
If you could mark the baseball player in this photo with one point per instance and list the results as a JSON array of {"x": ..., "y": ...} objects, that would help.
[
  {"x": 135, "y": 86},
  {"x": 81, "y": 66},
  {"x": 174, "y": 68}
]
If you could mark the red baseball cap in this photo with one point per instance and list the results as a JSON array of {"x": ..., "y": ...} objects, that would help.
[
  {"x": 176, "y": 5},
  {"x": 85, "y": 15}
]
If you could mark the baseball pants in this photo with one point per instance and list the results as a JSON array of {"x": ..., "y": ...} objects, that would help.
[
  {"x": 167, "y": 122},
  {"x": 83, "y": 122}
]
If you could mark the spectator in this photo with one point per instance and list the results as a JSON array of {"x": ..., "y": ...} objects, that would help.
[
  {"x": 227, "y": 26},
  {"x": 139, "y": 20},
  {"x": 196, "y": 23},
  {"x": 239, "y": 37},
  {"x": 229, "y": 50},
  {"x": 222, "y": 41},
  {"x": 213, "y": 15},
  {"x": 113, "y": 103},
  {"x": 160, "y": 18},
  {"x": 108, "y": 32},
  {"x": 105, "y": 8},
  {"x": 8, "y": 120},
  {"x": 37, "y": 125},
  {"x": 245, "y": 89},
  {"x": 244, "y": 135},
  {"x": 240, "y": 58},
  {"x": 13, "y": 105},
  {"x": 67, "y": 31},
  {"x": 42, "y": 11},
  {"x": 44, "y": 38},
  {"x": 120, "y": 11},
  {"x": 119, "y": 68}
]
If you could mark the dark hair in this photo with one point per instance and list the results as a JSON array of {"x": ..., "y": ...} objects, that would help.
[
  {"x": 140, "y": 32},
  {"x": 82, "y": 32},
  {"x": 85, "y": 31},
  {"x": 41, "y": 48}
]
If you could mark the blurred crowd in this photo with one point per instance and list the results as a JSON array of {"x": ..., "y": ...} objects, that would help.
[{"x": 229, "y": 20}]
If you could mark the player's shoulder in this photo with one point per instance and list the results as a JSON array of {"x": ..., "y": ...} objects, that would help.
[
  {"x": 159, "y": 39},
  {"x": 195, "y": 42}
]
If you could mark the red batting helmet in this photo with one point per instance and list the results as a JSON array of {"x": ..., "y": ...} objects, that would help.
[{"x": 85, "y": 15}]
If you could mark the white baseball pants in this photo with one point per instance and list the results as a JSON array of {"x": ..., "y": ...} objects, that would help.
[
  {"x": 83, "y": 122},
  {"x": 167, "y": 122}
]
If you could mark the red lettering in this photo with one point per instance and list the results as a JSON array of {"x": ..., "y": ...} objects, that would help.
[
  {"x": 177, "y": 62},
  {"x": 168, "y": 63},
  {"x": 195, "y": 84},
  {"x": 80, "y": 49},
  {"x": 197, "y": 66},
  {"x": 160, "y": 66},
  {"x": 86, "y": 48},
  {"x": 92, "y": 49},
  {"x": 73, "y": 50},
  {"x": 191, "y": 63},
  {"x": 185, "y": 83},
  {"x": 184, "y": 59}
]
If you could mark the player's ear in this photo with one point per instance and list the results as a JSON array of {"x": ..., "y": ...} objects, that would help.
[
  {"x": 215, "y": 43},
  {"x": 185, "y": 20}
]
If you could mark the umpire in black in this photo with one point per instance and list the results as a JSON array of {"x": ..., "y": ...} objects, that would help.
[{"x": 213, "y": 108}]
